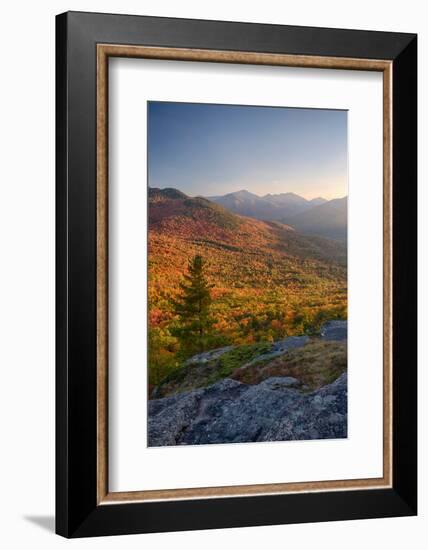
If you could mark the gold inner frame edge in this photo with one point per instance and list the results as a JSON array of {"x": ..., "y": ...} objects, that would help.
[{"x": 104, "y": 51}]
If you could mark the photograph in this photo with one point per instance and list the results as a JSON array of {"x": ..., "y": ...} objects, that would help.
[
  {"x": 212, "y": 275},
  {"x": 247, "y": 273}
]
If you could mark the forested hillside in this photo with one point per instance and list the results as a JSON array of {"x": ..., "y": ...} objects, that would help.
[{"x": 266, "y": 280}]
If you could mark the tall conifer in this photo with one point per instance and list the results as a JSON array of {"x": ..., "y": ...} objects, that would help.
[{"x": 195, "y": 322}]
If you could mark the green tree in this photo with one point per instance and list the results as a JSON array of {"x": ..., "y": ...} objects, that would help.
[{"x": 194, "y": 327}]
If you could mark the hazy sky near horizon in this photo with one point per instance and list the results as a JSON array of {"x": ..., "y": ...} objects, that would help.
[{"x": 208, "y": 150}]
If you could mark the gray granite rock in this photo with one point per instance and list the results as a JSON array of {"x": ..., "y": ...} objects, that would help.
[
  {"x": 208, "y": 356},
  {"x": 278, "y": 348},
  {"x": 334, "y": 330},
  {"x": 232, "y": 412},
  {"x": 279, "y": 382}
]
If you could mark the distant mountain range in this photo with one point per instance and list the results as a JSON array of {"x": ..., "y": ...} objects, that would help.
[
  {"x": 314, "y": 217},
  {"x": 328, "y": 220},
  {"x": 269, "y": 207},
  {"x": 200, "y": 220}
]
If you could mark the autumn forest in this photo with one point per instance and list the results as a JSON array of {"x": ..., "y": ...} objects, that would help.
[{"x": 217, "y": 279}]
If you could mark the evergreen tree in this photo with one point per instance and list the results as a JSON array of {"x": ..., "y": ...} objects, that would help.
[{"x": 194, "y": 327}]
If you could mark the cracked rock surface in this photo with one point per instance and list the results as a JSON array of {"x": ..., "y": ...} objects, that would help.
[{"x": 232, "y": 412}]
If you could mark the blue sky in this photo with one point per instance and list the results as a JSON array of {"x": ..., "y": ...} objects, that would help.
[{"x": 206, "y": 149}]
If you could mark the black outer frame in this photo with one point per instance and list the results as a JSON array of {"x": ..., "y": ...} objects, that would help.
[{"x": 77, "y": 513}]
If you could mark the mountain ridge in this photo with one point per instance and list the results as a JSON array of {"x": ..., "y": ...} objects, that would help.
[
  {"x": 329, "y": 220},
  {"x": 168, "y": 207},
  {"x": 272, "y": 207}
]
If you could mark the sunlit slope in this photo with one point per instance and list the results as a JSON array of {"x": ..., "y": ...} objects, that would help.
[{"x": 269, "y": 279}]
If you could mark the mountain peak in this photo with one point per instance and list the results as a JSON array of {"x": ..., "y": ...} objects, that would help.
[
  {"x": 289, "y": 194},
  {"x": 269, "y": 207},
  {"x": 242, "y": 193},
  {"x": 172, "y": 204},
  {"x": 166, "y": 193}
]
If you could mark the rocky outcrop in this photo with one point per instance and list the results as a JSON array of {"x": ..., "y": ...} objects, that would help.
[
  {"x": 278, "y": 348},
  {"x": 275, "y": 391},
  {"x": 205, "y": 369},
  {"x": 232, "y": 412},
  {"x": 334, "y": 331},
  {"x": 207, "y": 356}
]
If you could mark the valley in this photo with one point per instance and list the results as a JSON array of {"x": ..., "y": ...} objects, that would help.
[
  {"x": 317, "y": 216},
  {"x": 269, "y": 280}
]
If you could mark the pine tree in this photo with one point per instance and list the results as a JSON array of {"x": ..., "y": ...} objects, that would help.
[{"x": 194, "y": 327}]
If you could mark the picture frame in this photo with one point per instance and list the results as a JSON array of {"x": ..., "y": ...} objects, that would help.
[{"x": 84, "y": 44}]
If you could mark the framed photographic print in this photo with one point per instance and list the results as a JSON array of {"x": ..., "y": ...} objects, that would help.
[{"x": 236, "y": 274}]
